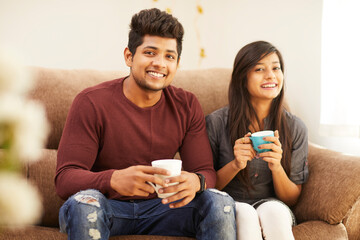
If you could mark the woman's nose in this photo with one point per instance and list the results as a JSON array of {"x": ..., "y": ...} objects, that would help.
[{"x": 270, "y": 74}]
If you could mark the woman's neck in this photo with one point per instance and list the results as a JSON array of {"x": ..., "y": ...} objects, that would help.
[{"x": 262, "y": 110}]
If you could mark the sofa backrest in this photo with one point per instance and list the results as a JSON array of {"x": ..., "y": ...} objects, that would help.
[{"x": 57, "y": 88}]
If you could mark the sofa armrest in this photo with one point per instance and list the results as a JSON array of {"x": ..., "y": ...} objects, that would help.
[{"x": 332, "y": 189}]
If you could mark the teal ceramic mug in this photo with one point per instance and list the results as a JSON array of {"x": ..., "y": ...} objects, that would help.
[{"x": 257, "y": 140}]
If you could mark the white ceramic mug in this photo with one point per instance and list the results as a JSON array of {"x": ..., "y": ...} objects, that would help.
[{"x": 173, "y": 166}]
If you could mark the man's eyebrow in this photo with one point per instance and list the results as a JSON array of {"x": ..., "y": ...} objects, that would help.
[
  {"x": 172, "y": 51},
  {"x": 155, "y": 48},
  {"x": 152, "y": 47}
]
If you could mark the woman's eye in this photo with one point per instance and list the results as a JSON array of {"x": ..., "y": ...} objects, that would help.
[
  {"x": 171, "y": 56},
  {"x": 259, "y": 69},
  {"x": 277, "y": 68}
]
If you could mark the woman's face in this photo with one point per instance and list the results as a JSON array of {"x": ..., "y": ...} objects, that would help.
[{"x": 265, "y": 80}]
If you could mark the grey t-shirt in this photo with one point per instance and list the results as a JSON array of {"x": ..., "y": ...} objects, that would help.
[{"x": 259, "y": 172}]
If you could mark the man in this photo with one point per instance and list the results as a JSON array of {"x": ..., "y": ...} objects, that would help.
[{"x": 113, "y": 132}]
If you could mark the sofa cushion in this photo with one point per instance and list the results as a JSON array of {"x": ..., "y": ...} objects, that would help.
[
  {"x": 32, "y": 233},
  {"x": 41, "y": 174},
  {"x": 321, "y": 230},
  {"x": 352, "y": 221}
]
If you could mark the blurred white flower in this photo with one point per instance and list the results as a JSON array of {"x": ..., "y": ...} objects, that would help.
[
  {"x": 32, "y": 139},
  {"x": 24, "y": 126},
  {"x": 19, "y": 201}
]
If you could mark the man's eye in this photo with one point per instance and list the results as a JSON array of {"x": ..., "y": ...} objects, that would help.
[{"x": 149, "y": 53}]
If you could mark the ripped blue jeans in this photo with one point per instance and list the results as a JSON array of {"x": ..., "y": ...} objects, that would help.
[{"x": 90, "y": 215}]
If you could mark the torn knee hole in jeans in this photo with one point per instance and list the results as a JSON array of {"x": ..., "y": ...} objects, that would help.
[
  {"x": 227, "y": 209},
  {"x": 92, "y": 217},
  {"x": 94, "y": 234},
  {"x": 87, "y": 199}
]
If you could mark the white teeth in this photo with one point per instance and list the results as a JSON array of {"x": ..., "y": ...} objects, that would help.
[
  {"x": 269, "y": 85},
  {"x": 156, "y": 74}
]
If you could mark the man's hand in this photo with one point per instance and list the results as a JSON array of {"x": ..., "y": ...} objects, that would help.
[
  {"x": 189, "y": 184},
  {"x": 132, "y": 181}
]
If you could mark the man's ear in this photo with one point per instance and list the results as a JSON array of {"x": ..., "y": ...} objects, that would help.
[{"x": 128, "y": 57}]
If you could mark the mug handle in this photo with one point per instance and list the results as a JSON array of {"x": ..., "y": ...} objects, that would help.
[{"x": 153, "y": 185}]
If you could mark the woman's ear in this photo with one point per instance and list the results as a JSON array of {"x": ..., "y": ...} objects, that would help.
[{"x": 128, "y": 57}]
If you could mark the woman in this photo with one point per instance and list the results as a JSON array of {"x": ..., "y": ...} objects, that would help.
[{"x": 262, "y": 184}]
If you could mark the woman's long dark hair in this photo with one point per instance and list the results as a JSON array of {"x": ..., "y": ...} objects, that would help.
[{"x": 241, "y": 112}]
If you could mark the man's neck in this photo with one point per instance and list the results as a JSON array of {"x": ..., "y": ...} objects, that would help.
[{"x": 140, "y": 97}]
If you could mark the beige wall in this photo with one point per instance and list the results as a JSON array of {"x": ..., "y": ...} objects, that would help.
[{"x": 93, "y": 34}]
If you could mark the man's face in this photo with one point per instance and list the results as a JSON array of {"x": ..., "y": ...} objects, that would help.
[{"x": 154, "y": 63}]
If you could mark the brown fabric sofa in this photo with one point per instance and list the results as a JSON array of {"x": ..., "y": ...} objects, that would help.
[{"x": 329, "y": 206}]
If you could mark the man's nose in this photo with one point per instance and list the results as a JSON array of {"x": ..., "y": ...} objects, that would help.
[{"x": 159, "y": 61}]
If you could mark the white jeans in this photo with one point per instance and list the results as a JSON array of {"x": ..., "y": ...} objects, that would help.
[{"x": 271, "y": 221}]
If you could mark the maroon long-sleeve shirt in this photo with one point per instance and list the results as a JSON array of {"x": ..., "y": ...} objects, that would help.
[{"x": 104, "y": 131}]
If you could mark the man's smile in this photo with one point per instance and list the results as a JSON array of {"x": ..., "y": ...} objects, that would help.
[{"x": 156, "y": 74}]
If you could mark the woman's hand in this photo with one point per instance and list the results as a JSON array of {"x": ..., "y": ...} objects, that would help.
[
  {"x": 243, "y": 152},
  {"x": 273, "y": 157}
]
